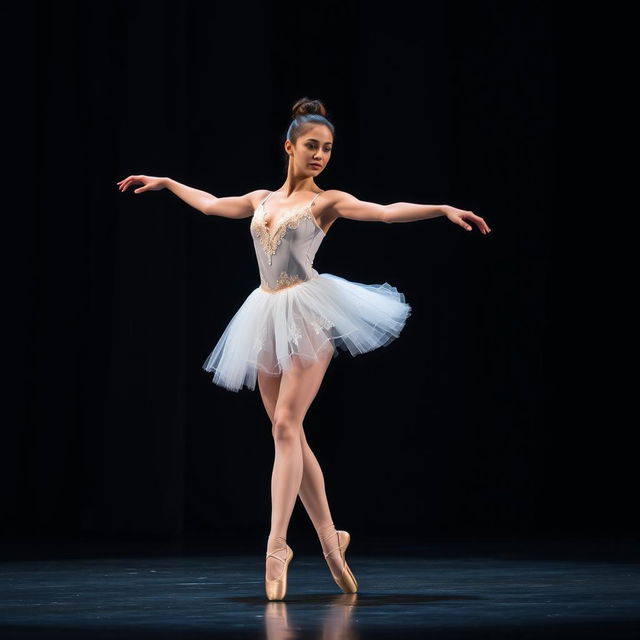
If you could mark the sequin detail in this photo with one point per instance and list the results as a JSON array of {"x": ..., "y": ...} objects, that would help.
[
  {"x": 321, "y": 323},
  {"x": 294, "y": 333}
]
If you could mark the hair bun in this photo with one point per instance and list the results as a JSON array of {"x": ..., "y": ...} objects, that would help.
[{"x": 306, "y": 105}]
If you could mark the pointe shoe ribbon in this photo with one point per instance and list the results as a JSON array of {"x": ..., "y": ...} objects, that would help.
[
  {"x": 276, "y": 588},
  {"x": 347, "y": 581}
]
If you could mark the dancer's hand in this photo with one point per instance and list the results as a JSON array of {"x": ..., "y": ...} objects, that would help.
[
  {"x": 150, "y": 183},
  {"x": 460, "y": 217}
]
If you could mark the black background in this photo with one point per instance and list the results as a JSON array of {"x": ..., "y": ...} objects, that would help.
[{"x": 499, "y": 411}]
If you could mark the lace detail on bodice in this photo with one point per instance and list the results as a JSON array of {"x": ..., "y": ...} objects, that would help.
[
  {"x": 284, "y": 280},
  {"x": 269, "y": 239},
  {"x": 285, "y": 252}
]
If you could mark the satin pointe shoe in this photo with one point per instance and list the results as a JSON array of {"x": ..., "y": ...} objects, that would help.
[
  {"x": 276, "y": 589},
  {"x": 346, "y": 581}
]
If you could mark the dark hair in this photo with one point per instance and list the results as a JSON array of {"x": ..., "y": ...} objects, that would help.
[{"x": 306, "y": 111}]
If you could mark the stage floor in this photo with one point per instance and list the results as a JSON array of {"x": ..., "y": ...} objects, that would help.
[{"x": 487, "y": 589}]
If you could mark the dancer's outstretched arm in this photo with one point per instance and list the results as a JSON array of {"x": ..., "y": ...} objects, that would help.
[
  {"x": 344, "y": 205},
  {"x": 207, "y": 203}
]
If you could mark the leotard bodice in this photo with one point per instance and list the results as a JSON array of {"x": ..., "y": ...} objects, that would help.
[{"x": 287, "y": 247}]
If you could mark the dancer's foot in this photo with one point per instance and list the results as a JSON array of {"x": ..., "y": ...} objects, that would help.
[
  {"x": 329, "y": 540},
  {"x": 274, "y": 565},
  {"x": 346, "y": 580}
]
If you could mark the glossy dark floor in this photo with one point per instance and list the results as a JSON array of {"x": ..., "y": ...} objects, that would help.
[{"x": 499, "y": 589}]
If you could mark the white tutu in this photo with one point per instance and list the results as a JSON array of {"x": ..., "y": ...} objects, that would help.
[{"x": 324, "y": 313}]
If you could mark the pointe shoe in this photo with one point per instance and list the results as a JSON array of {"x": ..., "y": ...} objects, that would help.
[
  {"x": 346, "y": 581},
  {"x": 276, "y": 589}
]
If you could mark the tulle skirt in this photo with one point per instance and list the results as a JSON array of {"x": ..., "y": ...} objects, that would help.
[{"x": 306, "y": 320}]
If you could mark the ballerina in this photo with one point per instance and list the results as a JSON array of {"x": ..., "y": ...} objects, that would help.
[{"x": 290, "y": 327}]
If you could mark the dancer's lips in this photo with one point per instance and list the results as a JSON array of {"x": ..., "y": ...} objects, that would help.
[{"x": 316, "y": 165}]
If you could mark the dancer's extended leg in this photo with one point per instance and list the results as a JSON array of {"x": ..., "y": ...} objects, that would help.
[{"x": 314, "y": 498}]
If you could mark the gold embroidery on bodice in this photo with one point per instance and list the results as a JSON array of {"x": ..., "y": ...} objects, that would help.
[
  {"x": 271, "y": 241},
  {"x": 286, "y": 250},
  {"x": 284, "y": 280}
]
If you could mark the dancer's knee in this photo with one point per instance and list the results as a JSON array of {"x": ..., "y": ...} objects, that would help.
[{"x": 285, "y": 427}]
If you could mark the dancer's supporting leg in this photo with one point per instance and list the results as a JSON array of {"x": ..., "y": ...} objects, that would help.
[{"x": 296, "y": 389}]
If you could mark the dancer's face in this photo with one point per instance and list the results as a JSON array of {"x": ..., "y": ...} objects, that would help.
[{"x": 313, "y": 146}]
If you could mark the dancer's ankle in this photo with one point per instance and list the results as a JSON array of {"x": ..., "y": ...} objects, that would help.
[
  {"x": 325, "y": 530},
  {"x": 276, "y": 541}
]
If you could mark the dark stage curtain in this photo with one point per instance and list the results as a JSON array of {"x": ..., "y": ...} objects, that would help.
[{"x": 115, "y": 300}]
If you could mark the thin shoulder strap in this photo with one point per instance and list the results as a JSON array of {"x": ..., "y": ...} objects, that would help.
[
  {"x": 267, "y": 197},
  {"x": 314, "y": 197}
]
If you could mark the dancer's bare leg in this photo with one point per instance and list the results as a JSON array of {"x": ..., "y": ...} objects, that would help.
[
  {"x": 312, "y": 488},
  {"x": 296, "y": 389},
  {"x": 314, "y": 498}
]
